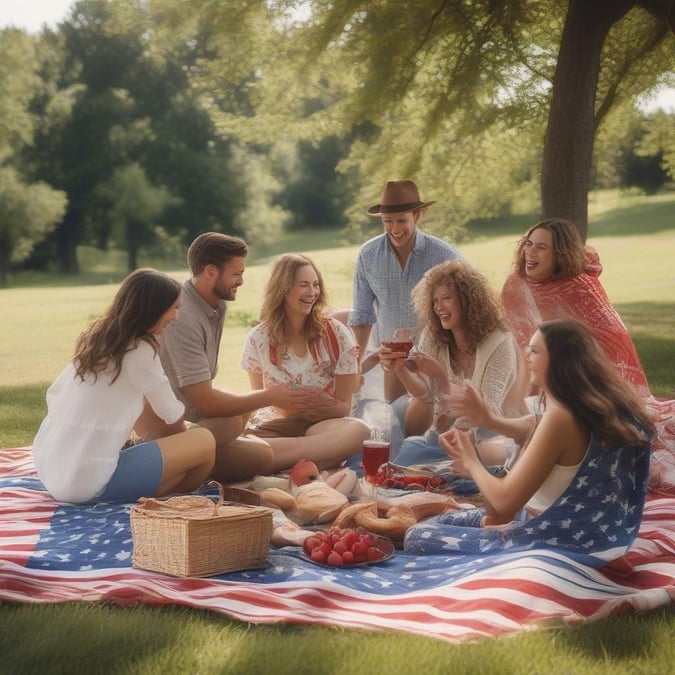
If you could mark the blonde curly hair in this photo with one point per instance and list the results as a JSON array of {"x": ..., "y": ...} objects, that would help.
[{"x": 476, "y": 298}]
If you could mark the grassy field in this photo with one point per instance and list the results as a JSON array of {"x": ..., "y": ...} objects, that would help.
[
  {"x": 41, "y": 322},
  {"x": 42, "y": 316}
]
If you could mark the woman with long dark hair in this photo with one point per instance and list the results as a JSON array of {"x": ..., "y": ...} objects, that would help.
[
  {"x": 84, "y": 450},
  {"x": 580, "y": 480},
  {"x": 583, "y": 401}
]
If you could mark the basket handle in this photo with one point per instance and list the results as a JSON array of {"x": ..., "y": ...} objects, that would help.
[{"x": 221, "y": 496}]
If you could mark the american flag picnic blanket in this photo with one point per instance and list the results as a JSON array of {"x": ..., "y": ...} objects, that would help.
[{"x": 53, "y": 552}]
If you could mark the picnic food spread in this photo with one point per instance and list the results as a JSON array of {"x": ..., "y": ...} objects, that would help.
[
  {"x": 362, "y": 531},
  {"x": 408, "y": 496}
]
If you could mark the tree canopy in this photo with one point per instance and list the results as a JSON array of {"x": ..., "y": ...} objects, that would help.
[
  {"x": 471, "y": 98},
  {"x": 139, "y": 125},
  {"x": 29, "y": 210}
]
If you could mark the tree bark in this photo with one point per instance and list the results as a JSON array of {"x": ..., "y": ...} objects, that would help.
[
  {"x": 66, "y": 246},
  {"x": 568, "y": 144}
]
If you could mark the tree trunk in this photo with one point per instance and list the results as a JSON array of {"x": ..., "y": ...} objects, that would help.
[
  {"x": 132, "y": 257},
  {"x": 66, "y": 246},
  {"x": 568, "y": 144}
]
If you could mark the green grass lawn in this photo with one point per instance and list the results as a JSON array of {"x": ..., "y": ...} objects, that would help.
[{"x": 41, "y": 319}]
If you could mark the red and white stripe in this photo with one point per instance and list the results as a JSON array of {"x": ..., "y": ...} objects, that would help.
[{"x": 529, "y": 591}]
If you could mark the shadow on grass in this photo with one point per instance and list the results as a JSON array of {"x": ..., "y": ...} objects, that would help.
[
  {"x": 628, "y": 637},
  {"x": 648, "y": 218},
  {"x": 71, "y": 636}
]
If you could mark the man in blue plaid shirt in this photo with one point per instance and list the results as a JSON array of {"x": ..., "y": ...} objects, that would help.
[{"x": 387, "y": 269}]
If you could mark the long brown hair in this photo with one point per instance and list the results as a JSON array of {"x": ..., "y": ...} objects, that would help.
[
  {"x": 139, "y": 303},
  {"x": 568, "y": 248},
  {"x": 476, "y": 298},
  {"x": 273, "y": 310},
  {"x": 583, "y": 379}
]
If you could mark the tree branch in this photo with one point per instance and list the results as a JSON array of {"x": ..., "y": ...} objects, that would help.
[{"x": 610, "y": 97}]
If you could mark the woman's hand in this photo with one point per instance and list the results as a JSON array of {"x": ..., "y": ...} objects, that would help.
[
  {"x": 391, "y": 361},
  {"x": 322, "y": 406},
  {"x": 431, "y": 367},
  {"x": 290, "y": 399},
  {"x": 459, "y": 446},
  {"x": 471, "y": 407}
]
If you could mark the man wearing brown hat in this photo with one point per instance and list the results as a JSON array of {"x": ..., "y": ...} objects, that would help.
[{"x": 387, "y": 269}]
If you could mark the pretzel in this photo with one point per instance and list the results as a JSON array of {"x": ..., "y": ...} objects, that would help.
[
  {"x": 394, "y": 524},
  {"x": 346, "y": 517}
]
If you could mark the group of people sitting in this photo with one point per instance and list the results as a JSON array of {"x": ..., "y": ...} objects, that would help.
[{"x": 544, "y": 375}]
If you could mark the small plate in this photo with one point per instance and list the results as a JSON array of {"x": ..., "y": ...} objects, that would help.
[
  {"x": 402, "y": 472},
  {"x": 384, "y": 544}
]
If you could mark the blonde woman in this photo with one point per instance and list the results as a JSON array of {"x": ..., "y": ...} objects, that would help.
[{"x": 297, "y": 343}]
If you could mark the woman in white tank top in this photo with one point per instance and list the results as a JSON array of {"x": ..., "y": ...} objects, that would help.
[{"x": 582, "y": 398}]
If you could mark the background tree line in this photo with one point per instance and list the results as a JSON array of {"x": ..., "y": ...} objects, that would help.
[{"x": 139, "y": 125}]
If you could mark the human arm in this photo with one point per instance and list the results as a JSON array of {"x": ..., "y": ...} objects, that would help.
[
  {"x": 557, "y": 437},
  {"x": 423, "y": 375},
  {"x": 324, "y": 406},
  {"x": 474, "y": 409},
  {"x": 144, "y": 369},
  {"x": 315, "y": 404},
  {"x": 362, "y": 315},
  {"x": 210, "y": 401},
  {"x": 362, "y": 336}
]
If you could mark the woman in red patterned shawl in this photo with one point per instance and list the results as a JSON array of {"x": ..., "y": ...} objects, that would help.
[{"x": 556, "y": 277}]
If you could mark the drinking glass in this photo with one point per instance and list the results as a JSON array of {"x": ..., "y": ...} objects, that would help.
[
  {"x": 401, "y": 341},
  {"x": 375, "y": 455},
  {"x": 455, "y": 396}
]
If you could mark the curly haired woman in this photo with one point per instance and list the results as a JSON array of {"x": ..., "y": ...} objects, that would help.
[{"x": 463, "y": 338}]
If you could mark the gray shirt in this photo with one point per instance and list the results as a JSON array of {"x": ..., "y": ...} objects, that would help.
[{"x": 190, "y": 344}]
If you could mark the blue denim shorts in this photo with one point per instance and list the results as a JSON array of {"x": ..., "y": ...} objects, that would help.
[{"x": 138, "y": 474}]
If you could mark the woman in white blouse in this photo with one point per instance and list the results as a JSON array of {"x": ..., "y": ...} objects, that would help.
[
  {"x": 296, "y": 342},
  {"x": 83, "y": 449}
]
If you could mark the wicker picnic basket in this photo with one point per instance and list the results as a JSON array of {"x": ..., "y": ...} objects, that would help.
[{"x": 195, "y": 536}]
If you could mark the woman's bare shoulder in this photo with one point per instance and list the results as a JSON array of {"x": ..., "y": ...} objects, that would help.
[{"x": 566, "y": 432}]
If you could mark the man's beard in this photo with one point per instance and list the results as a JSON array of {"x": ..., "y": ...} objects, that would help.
[{"x": 225, "y": 294}]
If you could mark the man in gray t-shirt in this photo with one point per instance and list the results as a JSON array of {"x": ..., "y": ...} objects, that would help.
[{"x": 189, "y": 354}]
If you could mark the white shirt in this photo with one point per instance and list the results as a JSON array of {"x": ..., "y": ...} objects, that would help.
[{"x": 77, "y": 446}]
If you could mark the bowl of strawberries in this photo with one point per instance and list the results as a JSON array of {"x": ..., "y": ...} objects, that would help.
[{"x": 346, "y": 547}]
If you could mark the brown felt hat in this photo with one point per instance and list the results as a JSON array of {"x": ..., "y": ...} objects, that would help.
[{"x": 399, "y": 196}]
